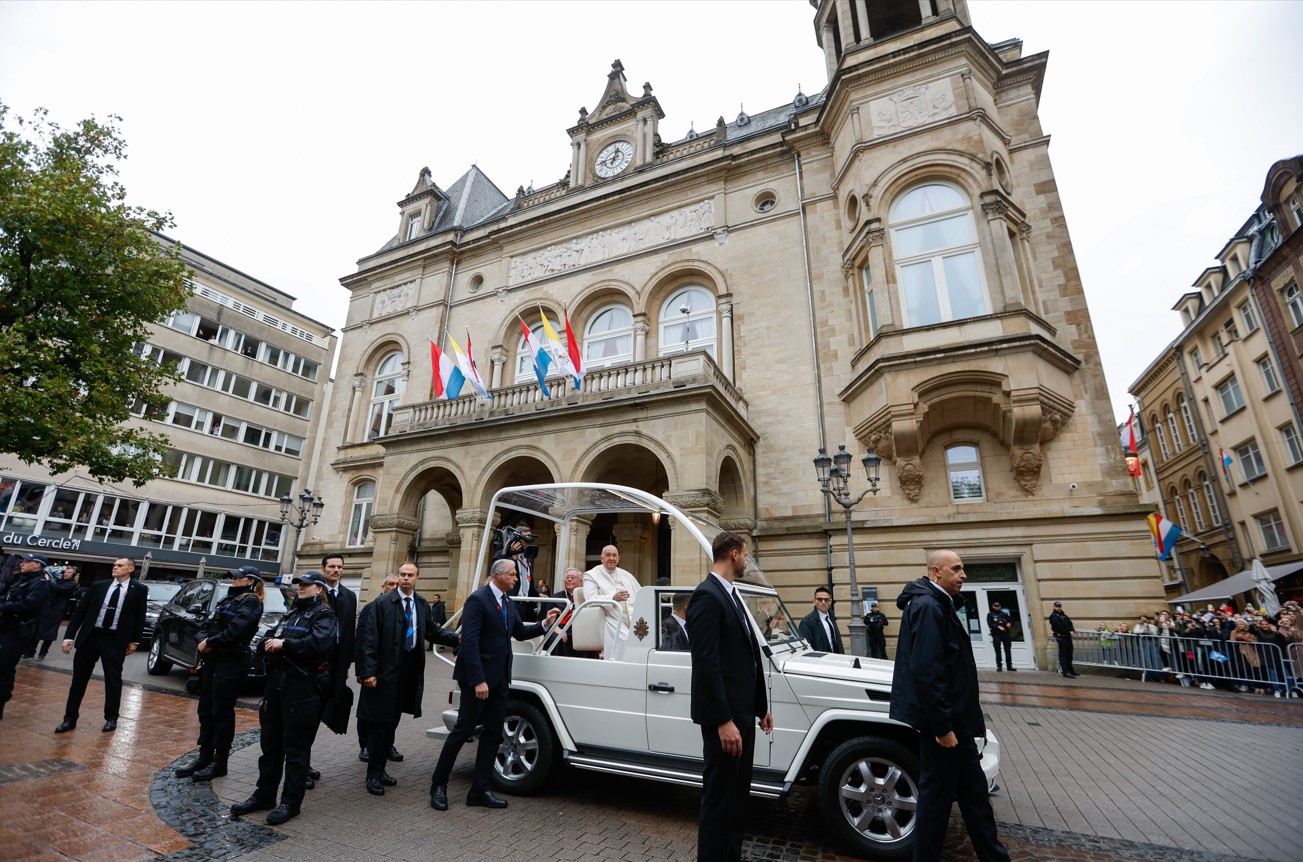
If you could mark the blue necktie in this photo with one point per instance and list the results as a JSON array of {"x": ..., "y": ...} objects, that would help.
[
  {"x": 411, "y": 623},
  {"x": 502, "y": 609}
]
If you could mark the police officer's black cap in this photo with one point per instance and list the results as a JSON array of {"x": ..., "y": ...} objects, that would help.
[
  {"x": 312, "y": 578},
  {"x": 36, "y": 558},
  {"x": 244, "y": 572},
  {"x": 1058, "y": 604}
]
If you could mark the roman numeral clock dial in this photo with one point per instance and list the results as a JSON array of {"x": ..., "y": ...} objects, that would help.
[{"x": 613, "y": 159}]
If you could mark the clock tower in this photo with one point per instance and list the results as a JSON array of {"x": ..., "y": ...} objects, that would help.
[{"x": 618, "y": 137}]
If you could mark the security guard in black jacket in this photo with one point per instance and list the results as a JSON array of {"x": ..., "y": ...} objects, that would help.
[
  {"x": 297, "y": 650},
  {"x": 20, "y": 605},
  {"x": 224, "y": 647}
]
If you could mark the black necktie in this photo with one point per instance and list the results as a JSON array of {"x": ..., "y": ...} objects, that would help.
[
  {"x": 111, "y": 612},
  {"x": 742, "y": 613},
  {"x": 836, "y": 635}
]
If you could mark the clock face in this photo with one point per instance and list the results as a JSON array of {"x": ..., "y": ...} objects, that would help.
[{"x": 613, "y": 158}]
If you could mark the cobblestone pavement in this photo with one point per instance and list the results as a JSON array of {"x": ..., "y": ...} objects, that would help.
[{"x": 1095, "y": 769}]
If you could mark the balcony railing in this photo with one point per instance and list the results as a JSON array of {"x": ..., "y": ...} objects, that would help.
[{"x": 646, "y": 378}]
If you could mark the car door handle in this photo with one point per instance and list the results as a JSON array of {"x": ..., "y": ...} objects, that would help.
[{"x": 661, "y": 687}]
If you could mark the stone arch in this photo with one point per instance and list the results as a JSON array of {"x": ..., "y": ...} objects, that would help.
[
  {"x": 965, "y": 170},
  {"x": 644, "y": 542},
  {"x": 599, "y": 295},
  {"x": 509, "y": 334},
  {"x": 588, "y": 467},
  {"x": 676, "y": 274},
  {"x": 436, "y": 474},
  {"x": 380, "y": 347},
  {"x": 732, "y": 489},
  {"x": 521, "y": 465}
]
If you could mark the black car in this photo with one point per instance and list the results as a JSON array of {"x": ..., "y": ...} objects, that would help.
[
  {"x": 160, "y": 593},
  {"x": 176, "y": 639}
]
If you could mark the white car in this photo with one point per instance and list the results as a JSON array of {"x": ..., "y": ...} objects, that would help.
[{"x": 631, "y": 717}]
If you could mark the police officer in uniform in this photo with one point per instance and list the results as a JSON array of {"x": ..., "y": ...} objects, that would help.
[
  {"x": 876, "y": 622},
  {"x": 20, "y": 605},
  {"x": 224, "y": 645},
  {"x": 297, "y": 651}
]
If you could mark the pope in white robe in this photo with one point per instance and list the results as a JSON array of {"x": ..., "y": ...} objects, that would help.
[{"x": 609, "y": 581}]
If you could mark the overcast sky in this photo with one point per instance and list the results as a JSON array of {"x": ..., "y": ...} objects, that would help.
[{"x": 280, "y": 136}]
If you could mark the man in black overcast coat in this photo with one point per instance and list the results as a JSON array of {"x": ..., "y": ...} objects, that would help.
[{"x": 934, "y": 691}]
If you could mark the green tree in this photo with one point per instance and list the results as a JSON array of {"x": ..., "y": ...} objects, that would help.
[{"x": 82, "y": 274}]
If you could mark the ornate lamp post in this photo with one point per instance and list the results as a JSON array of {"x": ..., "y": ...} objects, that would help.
[
  {"x": 834, "y": 476},
  {"x": 306, "y": 508}
]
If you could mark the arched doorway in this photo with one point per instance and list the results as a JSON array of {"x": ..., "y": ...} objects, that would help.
[{"x": 644, "y": 543}]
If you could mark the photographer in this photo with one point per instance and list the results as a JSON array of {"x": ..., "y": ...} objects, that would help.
[{"x": 517, "y": 544}]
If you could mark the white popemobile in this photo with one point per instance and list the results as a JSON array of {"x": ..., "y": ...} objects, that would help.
[{"x": 630, "y": 717}]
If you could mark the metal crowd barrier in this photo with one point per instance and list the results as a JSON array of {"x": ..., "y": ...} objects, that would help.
[{"x": 1237, "y": 665}]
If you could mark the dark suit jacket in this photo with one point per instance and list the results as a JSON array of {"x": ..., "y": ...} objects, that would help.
[
  {"x": 812, "y": 630},
  {"x": 485, "y": 654},
  {"x": 131, "y": 616},
  {"x": 727, "y": 683},
  {"x": 381, "y": 654},
  {"x": 674, "y": 636},
  {"x": 345, "y": 607}
]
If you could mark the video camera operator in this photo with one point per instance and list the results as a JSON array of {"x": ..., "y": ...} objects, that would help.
[{"x": 517, "y": 544}]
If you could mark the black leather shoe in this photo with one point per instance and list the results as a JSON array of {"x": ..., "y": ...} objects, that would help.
[
  {"x": 364, "y": 755},
  {"x": 110, "y": 726},
  {"x": 314, "y": 775},
  {"x": 1012, "y": 668},
  {"x": 374, "y": 787},
  {"x": 200, "y": 762},
  {"x": 394, "y": 755},
  {"x": 998, "y": 669},
  {"x": 309, "y": 783},
  {"x": 66, "y": 726},
  {"x": 439, "y": 797},
  {"x": 388, "y": 780},
  {"x": 485, "y": 799},
  {"x": 253, "y": 803},
  {"x": 280, "y": 814}
]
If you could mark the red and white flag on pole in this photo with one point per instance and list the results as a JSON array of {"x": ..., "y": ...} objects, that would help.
[{"x": 1129, "y": 434}]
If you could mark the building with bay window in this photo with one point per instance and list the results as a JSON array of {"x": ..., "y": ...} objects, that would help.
[
  {"x": 243, "y": 423},
  {"x": 882, "y": 263}
]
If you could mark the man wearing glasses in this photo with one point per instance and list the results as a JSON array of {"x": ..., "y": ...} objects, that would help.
[{"x": 819, "y": 628}]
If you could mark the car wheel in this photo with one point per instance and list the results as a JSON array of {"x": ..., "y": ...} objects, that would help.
[
  {"x": 527, "y": 753},
  {"x": 868, "y": 792},
  {"x": 156, "y": 665}
]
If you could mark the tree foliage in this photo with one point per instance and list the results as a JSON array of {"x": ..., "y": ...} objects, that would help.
[{"x": 81, "y": 276}]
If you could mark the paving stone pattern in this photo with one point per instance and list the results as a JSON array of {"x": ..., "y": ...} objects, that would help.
[{"x": 1095, "y": 769}]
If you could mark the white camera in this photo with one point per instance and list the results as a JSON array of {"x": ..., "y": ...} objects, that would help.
[{"x": 1072, "y": 486}]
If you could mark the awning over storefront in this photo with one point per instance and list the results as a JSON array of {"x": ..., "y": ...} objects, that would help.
[{"x": 1235, "y": 584}]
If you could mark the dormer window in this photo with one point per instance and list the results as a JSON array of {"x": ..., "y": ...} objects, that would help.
[
  {"x": 413, "y": 227},
  {"x": 1296, "y": 211}
]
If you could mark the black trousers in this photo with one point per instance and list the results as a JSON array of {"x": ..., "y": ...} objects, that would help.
[
  {"x": 877, "y": 644},
  {"x": 1005, "y": 641},
  {"x": 220, "y": 679},
  {"x": 12, "y": 642},
  {"x": 97, "y": 647},
  {"x": 380, "y": 738},
  {"x": 947, "y": 775},
  {"x": 472, "y": 713},
  {"x": 288, "y": 721},
  {"x": 725, "y": 792},
  {"x": 1065, "y": 653}
]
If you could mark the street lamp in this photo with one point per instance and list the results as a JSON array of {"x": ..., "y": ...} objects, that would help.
[
  {"x": 834, "y": 477},
  {"x": 306, "y": 508}
]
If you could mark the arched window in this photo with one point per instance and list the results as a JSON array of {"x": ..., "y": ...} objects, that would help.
[
  {"x": 1214, "y": 510},
  {"x": 688, "y": 322},
  {"x": 964, "y": 465},
  {"x": 1195, "y": 508},
  {"x": 608, "y": 337},
  {"x": 525, "y": 362},
  {"x": 1189, "y": 419},
  {"x": 385, "y": 393},
  {"x": 1176, "y": 431},
  {"x": 1158, "y": 432},
  {"x": 359, "y": 522},
  {"x": 938, "y": 263},
  {"x": 1180, "y": 507}
]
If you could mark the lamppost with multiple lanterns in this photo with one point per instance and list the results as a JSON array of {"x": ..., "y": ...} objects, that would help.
[
  {"x": 306, "y": 510},
  {"x": 834, "y": 480}
]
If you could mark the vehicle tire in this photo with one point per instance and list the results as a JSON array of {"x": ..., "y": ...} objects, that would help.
[
  {"x": 868, "y": 793},
  {"x": 155, "y": 664},
  {"x": 528, "y": 751}
]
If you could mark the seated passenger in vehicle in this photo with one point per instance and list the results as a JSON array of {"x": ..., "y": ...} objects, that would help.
[
  {"x": 608, "y": 581},
  {"x": 674, "y": 630}
]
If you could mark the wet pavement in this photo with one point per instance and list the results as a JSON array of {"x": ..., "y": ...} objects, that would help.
[{"x": 1095, "y": 769}]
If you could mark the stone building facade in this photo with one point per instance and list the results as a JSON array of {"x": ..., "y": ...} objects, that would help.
[
  {"x": 885, "y": 263},
  {"x": 1229, "y": 387},
  {"x": 243, "y": 422}
]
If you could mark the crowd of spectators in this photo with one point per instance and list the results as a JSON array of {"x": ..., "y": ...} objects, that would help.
[{"x": 1213, "y": 648}]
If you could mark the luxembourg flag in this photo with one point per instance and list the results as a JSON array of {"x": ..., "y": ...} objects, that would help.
[
  {"x": 567, "y": 358},
  {"x": 1226, "y": 463},
  {"x": 448, "y": 379},
  {"x": 542, "y": 362},
  {"x": 467, "y": 368},
  {"x": 1164, "y": 533},
  {"x": 1129, "y": 434}
]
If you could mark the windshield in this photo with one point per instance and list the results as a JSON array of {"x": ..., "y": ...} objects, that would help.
[
  {"x": 276, "y": 600},
  {"x": 771, "y": 617},
  {"x": 162, "y": 591}
]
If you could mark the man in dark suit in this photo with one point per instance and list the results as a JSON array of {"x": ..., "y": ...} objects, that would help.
[
  {"x": 934, "y": 691},
  {"x": 483, "y": 672},
  {"x": 339, "y": 702},
  {"x": 728, "y": 697},
  {"x": 674, "y": 628},
  {"x": 819, "y": 628},
  {"x": 572, "y": 580},
  {"x": 106, "y": 627},
  {"x": 388, "y": 585},
  {"x": 391, "y": 668}
]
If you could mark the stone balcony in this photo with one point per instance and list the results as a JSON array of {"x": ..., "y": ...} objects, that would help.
[{"x": 643, "y": 381}]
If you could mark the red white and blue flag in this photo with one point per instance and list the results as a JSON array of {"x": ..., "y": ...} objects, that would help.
[
  {"x": 542, "y": 361},
  {"x": 1164, "y": 534},
  {"x": 1129, "y": 434},
  {"x": 448, "y": 379}
]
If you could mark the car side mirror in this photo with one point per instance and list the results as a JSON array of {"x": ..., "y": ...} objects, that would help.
[{"x": 196, "y": 608}]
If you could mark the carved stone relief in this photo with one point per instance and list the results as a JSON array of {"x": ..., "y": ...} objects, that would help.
[
  {"x": 909, "y": 475},
  {"x": 393, "y": 522},
  {"x": 912, "y": 107},
  {"x": 613, "y": 242},
  {"x": 392, "y": 300}
]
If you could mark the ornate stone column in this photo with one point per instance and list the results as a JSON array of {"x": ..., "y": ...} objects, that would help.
[
  {"x": 726, "y": 339},
  {"x": 392, "y": 536},
  {"x": 498, "y": 358},
  {"x": 688, "y": 561},
  {"x": 886, "y": 302},
  {"x": 354, "y": 400},
  {"x": 470, "y": 526},
  {"x": 640, "y": 328},
  {"x": 1006, "y": 269}
]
